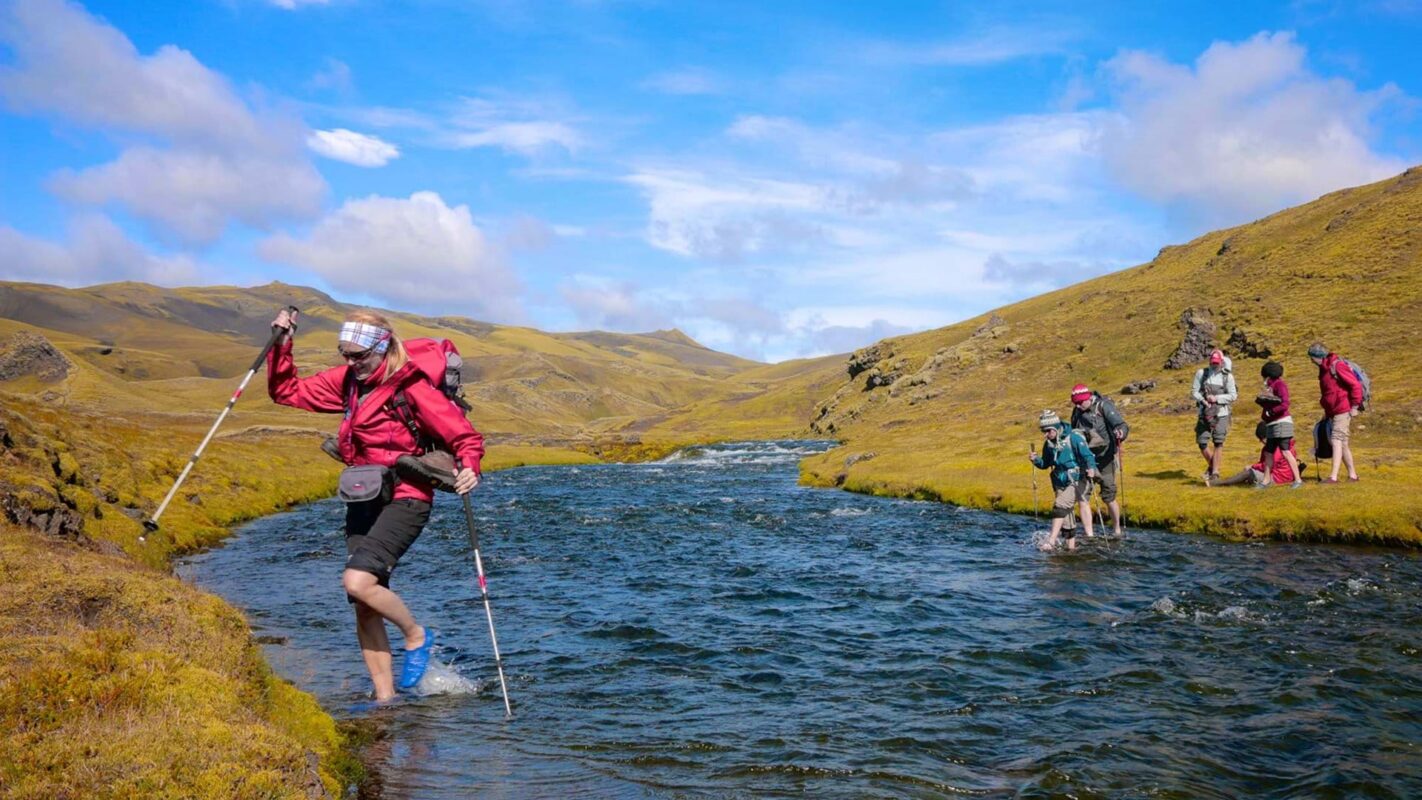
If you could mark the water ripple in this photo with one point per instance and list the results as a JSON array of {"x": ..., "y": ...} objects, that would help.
[{"x": 703, "y": 627}]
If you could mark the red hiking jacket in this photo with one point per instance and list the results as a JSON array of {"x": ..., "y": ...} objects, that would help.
[
  {"x": 1341, "y": 394},
  {"x": 374, "y": 434},
  {"x": 1282, "y": 473}
]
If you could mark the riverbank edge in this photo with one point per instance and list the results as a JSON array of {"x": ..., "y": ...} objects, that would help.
[
  {"x": 99, "y": 697},
  {"x": 1383, "y": 511}
]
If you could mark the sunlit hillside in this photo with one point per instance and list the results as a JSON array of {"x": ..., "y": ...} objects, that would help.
[{"x": 950, "y": 413}]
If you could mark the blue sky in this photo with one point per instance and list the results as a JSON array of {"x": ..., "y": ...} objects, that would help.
[{"x": 775, "y": 179}]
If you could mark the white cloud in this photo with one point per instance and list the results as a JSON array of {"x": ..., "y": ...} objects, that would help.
[
  {"x": 97, "y": 251},
  {"x": 227, "y": 161},
  {"x": 192, "y": 194},
  {"x": 524, "y": 126},
  {"x": 334, "y": 76},
  {"x": 616, "y": 305},
  {"x": 359, "y": 149},
  {"x": 727, "y": 218},
  {"x": 984, "y": 48},
  {"x": 292, "y": 5},
  {"x": 688, "y": 81},
  {"x": 416, "y": 252},
  {"x": 1246, "y": 130}
]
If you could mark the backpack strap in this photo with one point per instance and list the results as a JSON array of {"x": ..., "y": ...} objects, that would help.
[{"x": 400, "y": 406}]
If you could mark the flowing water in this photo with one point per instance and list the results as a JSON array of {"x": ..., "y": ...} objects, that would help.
[{"x": 704, "y": 627}]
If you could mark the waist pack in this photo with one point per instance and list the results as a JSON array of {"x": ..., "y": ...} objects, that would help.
[{"x": 366, "y": 482}]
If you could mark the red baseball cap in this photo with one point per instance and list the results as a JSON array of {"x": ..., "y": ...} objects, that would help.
[
  {"x": 1079, "y": 392},
  {"x": 1217, "y": 356}
]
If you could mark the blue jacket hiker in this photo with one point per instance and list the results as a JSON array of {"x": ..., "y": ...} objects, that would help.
[{"x": 1072, "y": 466}]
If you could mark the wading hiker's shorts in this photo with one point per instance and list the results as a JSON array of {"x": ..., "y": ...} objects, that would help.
[
  {"x": 377, "y": 534},
  {"x": 1106, "y": 476},
  {"x": 1064, "y": 506},
  {"x": 1206, "y": 432},
  {"x": 1341, "y": 423}
]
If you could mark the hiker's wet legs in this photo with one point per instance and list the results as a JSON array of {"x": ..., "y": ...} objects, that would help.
[
  {"x": 365, "y": 588},
  {"x": 375, "y": 649},
  {"x": 1086, "y": 519},
  {"x": 1115, "y": 506}
]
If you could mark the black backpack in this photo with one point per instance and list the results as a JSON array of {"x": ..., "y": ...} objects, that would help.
[{"x": 1322, "y": 444}]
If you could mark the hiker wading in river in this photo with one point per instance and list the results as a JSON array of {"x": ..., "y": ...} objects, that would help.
[
  {"x": 1100, "y": 423},
  {"x": 376, "y": 382},
  {"x": 1073, "y": 466}
]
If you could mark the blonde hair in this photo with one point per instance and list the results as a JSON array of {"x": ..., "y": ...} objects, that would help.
[{"x": 396, "y": 355}]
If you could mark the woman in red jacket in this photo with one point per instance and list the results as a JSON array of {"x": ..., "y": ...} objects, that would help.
[
  {"x": 377, "y": 371},
  {"x": 1341, "y": 395}
]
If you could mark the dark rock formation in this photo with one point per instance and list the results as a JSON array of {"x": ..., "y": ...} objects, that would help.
[
  {"x": 31, "y": 354},
  {"x": 1138, "y": 387},
  {"x": 1198, "y": 341},
  {"x": 862, "y": 360},
  {"x": 1248, "y": 344},
  {"x": 994, "y": 321}
]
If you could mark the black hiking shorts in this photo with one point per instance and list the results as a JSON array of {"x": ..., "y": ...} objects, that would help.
[{"x": 377, "y": 534}]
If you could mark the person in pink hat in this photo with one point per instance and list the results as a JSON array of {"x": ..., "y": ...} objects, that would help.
[
  {"x": 1100, "y": 423},
  {"x": 1214, "y": 391}
]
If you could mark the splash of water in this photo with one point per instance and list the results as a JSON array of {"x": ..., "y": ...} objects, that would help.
[{"x": 443, "y": 679}]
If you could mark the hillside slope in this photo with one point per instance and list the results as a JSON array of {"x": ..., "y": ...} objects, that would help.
[
  {"x": 949, "y": 413},
  {"x": 139, "y": 346}
]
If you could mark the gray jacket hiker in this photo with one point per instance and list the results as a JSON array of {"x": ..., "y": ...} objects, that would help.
[
  {"x": 1214, "y": 392},
  {"x": 1100, "y": 423},
  {"x": 1216, "y": 382}
]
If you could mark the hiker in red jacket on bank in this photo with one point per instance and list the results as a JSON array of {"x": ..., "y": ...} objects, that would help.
[
  {"x": 1342, "y": 398},
  {"x": 378, "y": 374}
]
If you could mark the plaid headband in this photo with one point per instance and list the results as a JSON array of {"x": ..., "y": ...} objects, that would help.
[{"x": 367, "y": 337}]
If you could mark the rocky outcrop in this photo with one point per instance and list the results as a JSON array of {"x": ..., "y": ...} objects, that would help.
[
  {"x": 1198, "y": 341},
  {"x": 1248, "y": 344},
  {"x": 26, "y": 354},
  {"x": 865, "y": 359},
  {"x": 1138, "y": 387}
]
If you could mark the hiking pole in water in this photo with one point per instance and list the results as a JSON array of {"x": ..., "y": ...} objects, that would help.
[
  {"x": 1032, "y": 451},
  {"x": 1121, "y": 489},
  {"x": 151, "y": 524},
  {"x": 484, "y": 590}
]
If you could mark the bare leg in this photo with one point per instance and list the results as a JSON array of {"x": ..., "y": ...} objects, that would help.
[
  {"x": 1337, "y": 461},
  {"x": 1209, "y": 458},
  {"x": 375, "y": 649},
  {"x": 1086, "y": 517},
  {"x": 1115, "y": 506},
  {"x": 364, "y": 587},
  {"x": 1293, "y": 463},
  {"x": 1052, "y": 538},
  {"x": 1215, "y": 458},
  {"x": 1347, "y": 460}
]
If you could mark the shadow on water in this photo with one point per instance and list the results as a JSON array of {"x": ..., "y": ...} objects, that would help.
[{"x": 704, "y": 627}]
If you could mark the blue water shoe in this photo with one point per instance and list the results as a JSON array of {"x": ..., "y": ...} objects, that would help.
[{"x": 416, "y": 661}]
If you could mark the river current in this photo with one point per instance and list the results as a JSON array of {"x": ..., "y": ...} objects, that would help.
[{"x": 704, "y": 627}]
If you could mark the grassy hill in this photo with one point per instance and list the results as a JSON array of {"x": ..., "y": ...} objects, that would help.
[
  {"x": 156, "y": 689},
  {"x": 949, "y": 413}
]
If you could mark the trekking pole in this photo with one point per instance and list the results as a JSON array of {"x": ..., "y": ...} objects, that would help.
[
  {"x": 1032, "y": 451},
  {"x": 1121, "y": 488},
  {"x": 484, "y": 590},
  {"x": 151, "y": 524}
]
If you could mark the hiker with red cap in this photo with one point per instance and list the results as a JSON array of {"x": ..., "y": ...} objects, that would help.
[
  {"x": 1342, "y": 397},
  {"x": 392, "y": 411},
  {"x": 1214, "y": 391},
  {"x": 1100, "y": 423}
]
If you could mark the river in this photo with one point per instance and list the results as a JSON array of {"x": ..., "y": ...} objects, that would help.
[{"x": 705, "y": 627}]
